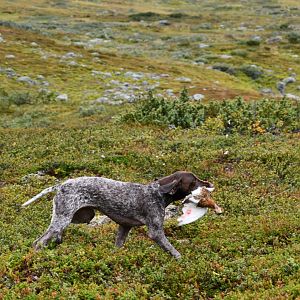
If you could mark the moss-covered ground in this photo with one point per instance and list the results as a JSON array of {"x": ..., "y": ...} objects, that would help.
[{"x": 250, "y": 252}]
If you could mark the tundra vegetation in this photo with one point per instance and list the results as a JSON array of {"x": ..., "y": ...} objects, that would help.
[{"x": 135, "y": 90}]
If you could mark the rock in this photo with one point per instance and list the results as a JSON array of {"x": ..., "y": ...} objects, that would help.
[
  {"x": 115, "y": 82},
  {"x": 289, "y": 80},
  {"x": 133, "y": 75},
  {"x": 282, "y": 84},
  {"x": 203, "y": 46},
  {"x": 184, "y": 79},
  {"x": 164, "y": 22},
  {"x": 281, "y": 87},
  {"x": 198, "y": 97},
  {"x": 62, "y": 97},
  {"x": 274, "y": 39},
  {"x": 171, "y": 211},
  {"x": 73, "y": 63},
  {"x": 103, "y": 74},
  {"x": 70, "y": 55},
  {"x": 170, "y": 92},
  {"x": 225, "y": 56},
  {"x": 8, "y": 71},
  {"x": 27, "y": 79},
  {"x": 266, "y": 91},
  {"x": 34, "y": 44},
  {"x": 9, "y": 56},
  {"x": 100, "y": 220},
  {"x": 96, "y": 42},
  {"x": 1, "y": 39},
  {"x": 292, "y": 97}
]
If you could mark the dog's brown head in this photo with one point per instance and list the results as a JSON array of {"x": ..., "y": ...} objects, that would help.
[{"x": 180, "y": 184}]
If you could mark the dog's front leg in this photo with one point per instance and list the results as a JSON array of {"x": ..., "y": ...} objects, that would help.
[
  {"x": 157, "y": 234},
  {"x": 122, "y": 235}
]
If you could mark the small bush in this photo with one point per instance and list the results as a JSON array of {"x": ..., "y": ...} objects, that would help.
[
  {"x": 20, "y": 98},
  {"x": 239, "y": 52},
  {"x": 252, "y": 71},
  {"x": 294, "y": 38},
  {"x": 253, "y": 41},
  {"x": 149, "y": 16},
  {"x": 90, "y": 110},
  {"x": 229, "y": 69},
  {"x": 255, "y": 117}
]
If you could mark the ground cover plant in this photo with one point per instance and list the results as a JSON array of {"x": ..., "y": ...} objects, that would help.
[{"x": 135, "y": 90}]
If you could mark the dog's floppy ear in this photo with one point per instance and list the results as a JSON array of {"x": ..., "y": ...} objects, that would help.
[{"x": 169, "y": 188}]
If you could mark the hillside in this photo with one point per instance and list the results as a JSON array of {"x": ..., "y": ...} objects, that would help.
[{"x": 135, "y": 90}]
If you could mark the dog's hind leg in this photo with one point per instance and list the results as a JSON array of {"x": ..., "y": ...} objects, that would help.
[
  {"x": 122, "y": 235},
  {"x": 58, "y": 223}
]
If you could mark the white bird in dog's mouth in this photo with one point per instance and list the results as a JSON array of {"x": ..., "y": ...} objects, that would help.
[{"x": 196, "y": 205}]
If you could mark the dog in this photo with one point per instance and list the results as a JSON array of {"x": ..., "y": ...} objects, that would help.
[{"x": 128, "y": 204}]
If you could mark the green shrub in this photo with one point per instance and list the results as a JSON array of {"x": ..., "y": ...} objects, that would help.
[
  {"x": 20, "y": 98},
  {"x": 239, "y": 52},
  {"x": 149, "y": 16},
  {"x": 253, "y": 42},
  {"x": 294, "y": 37},
  {"x": 90, "y": 110},
  {"x": 238, "y": 115},
  {"x": 252, "y": 71},
  {"x": 225, "y": 68}
]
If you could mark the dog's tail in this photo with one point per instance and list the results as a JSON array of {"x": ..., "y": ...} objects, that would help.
[{"x": 41, "y": 194}]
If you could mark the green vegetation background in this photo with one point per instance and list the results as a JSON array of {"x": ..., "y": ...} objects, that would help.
[{"x": 250, "y": 252}]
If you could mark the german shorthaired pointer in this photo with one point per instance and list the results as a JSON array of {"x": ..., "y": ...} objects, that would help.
[{"x": 128, "y": 204}]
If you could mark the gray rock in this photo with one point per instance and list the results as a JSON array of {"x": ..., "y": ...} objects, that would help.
[
  {"x": 202, "y": 46},
  {"x": 281, "y": 87},
  {"x": 289, "y": 80},
  {"x": 283, "y": 83},
  {"x": 1, "y": 39},
  {"x": 184, "y": 79},
  {"x": 198, "y": 97},
  {"x": 164, "y": 22},
  {"x": 62, "y": 97},
  {"x": 27, "y": 79},
  {"x": 133, "y": 75},
  {"x": 170, "y": 92},
  {"x": 9, "y": 56},
  {"x": 102, "y": 74},
  {"x": 71, "y": 55},
  {"x": 73, "y": 63},
  {"x": 171, "y": 211},
  {"x": 292, "y": 97},
  {"x": 266, "y": 91},
  {"x": 225, "y": 56},
  {"x": 274, "y": 40},
  {"x": 9, "y": 72}
]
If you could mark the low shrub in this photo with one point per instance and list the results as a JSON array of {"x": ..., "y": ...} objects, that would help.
[
  {"x": 294, "y": 37},
  {"x": 238, "y": 115},
  {"x": 239, "y": 52},
  {"x": 90, "y": 110},
  {"x": 149, "y": 16},
  {"x": 252, "y": 71},
  {"x": 229, "y": 69},
  {"x": 253, "y": 42}
]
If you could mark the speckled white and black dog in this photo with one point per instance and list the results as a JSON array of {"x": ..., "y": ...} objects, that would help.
[{"x": 128, "y": 204}]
